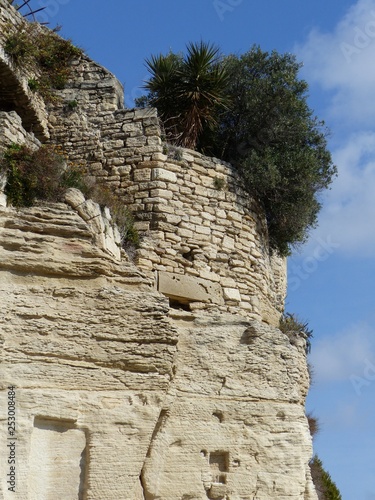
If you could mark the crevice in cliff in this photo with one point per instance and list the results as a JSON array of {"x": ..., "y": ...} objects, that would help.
[
  {"x": 143, "y": 488},
  {"x": 160, "y": 424}
]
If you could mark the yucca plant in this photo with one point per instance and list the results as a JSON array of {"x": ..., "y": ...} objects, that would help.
[{"x": 187, "y": 91}]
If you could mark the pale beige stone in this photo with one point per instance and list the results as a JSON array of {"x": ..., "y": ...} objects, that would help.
[
  {"x": 74, "y": 197},
  {"x": 232, "y": 294},
  {"x": 161, "y": 174},
  {"x": 221, "y": 429},
  {"x": 187, "y": 288},
  {"x": 120, "y": 396}
]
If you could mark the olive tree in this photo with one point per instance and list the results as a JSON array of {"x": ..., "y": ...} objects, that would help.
[{"x": 271, "y": 135}]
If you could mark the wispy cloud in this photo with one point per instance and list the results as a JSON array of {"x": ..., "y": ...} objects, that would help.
[
  {"x": 349, "y": 209},
  {"x": 339, "y": 357},
  {"x": 342, "y": 62}
]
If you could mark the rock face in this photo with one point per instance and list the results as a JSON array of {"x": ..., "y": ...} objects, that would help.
[
  {"x": 227, "y": 430},
  {"x": 119, "y": 396},
  {"x": 165, "y": 378},
  {"x": 89, "y": 348}
]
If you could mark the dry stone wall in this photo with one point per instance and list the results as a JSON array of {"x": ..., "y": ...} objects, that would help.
[
  {"x": 204, "y": 240},
  {"x": 158, "y": 379}
]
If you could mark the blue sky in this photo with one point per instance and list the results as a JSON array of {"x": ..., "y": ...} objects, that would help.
[{"x": 331, "y": 279}]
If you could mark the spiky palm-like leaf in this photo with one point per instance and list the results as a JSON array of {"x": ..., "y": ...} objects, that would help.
[{"x": 187, "y": 91}]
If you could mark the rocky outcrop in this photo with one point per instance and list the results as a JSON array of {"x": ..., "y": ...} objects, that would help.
[
  {"x": 89, "y": 348},
  {"x": 227, "y": 430},
  {"x": 128, "y": 398}
]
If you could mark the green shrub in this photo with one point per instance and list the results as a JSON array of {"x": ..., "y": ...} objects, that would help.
[
  {"x": 271, "y": 135},
  {"x": 323, "y": 483},
  {"x": 187, "y": 91},
  {"x": 33, "y": 84},
  {"x": 43, "y": 174},
  {"x": 19, "y": 46},
  {"x": 219, "y": 183},
  {"x": 71, "y": 105},
  {"x": 258, "y": 119},
  {"x": 37, "y": 174},
  {"x": 173, "y": 152},
  {"x": 314, "y": 426},
  {"x": 294, "y": 328},
  {"x": 43, "y": 51}
]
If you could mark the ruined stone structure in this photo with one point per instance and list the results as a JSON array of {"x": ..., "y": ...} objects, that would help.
[{"x": 164, "y": 377}]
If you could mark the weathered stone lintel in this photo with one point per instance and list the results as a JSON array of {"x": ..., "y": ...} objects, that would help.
[{"x": 187, "y": 289}]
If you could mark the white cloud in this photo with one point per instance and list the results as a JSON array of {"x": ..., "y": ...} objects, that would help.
[
  {"x": 347, "y": 354},
  {"x": 349, "y": 208},
  {"x": 342, "y": 62}
]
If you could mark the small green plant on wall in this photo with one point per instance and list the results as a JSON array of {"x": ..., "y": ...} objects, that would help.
[
  {"x": 41, "y": 50},
  {"x": 173, "y": 152},
  {"x": 71, "y": 105},
  {"x": 37, "y": 174},
  {"x": 219, "y": 183},
  {"x": 33, "y": 84},
  {"x": 293, "y": 327},
  {"x": 44, "y": 174}
]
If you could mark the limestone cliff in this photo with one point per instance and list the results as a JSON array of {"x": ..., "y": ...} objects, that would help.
[{"x": 162, "y": 378}]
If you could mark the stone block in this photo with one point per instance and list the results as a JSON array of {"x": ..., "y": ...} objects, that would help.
[
  {"x": 136, "y": 141},
  {"x": 185, "y": 233},
  {"x": 189, "y": 289},
  {"x": 142, "y": 175},
  {"x": 232, "y": 294},
  {"x": 218, "y": 491},
  {"x": 228, "y": 243},
  {"x": 203, "y": 230},
  {"x": 160, "y": 174},
  {"x": 161, "y": 193},
  {"x": 144, "y": 113}
]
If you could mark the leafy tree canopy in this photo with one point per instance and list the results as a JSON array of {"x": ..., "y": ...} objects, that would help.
[{"x": 252, "y": 111}]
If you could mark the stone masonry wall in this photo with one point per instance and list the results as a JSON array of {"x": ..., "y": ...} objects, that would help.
[
  {"x": 204, "y": 240},
  {"x": 12, "y": 131}
]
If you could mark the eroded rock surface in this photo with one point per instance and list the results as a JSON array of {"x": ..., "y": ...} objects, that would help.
[
  {"x": 119, "y": 396},
  {"x": 234, "y": 425},
  {"x": 89, "y": 348}
]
